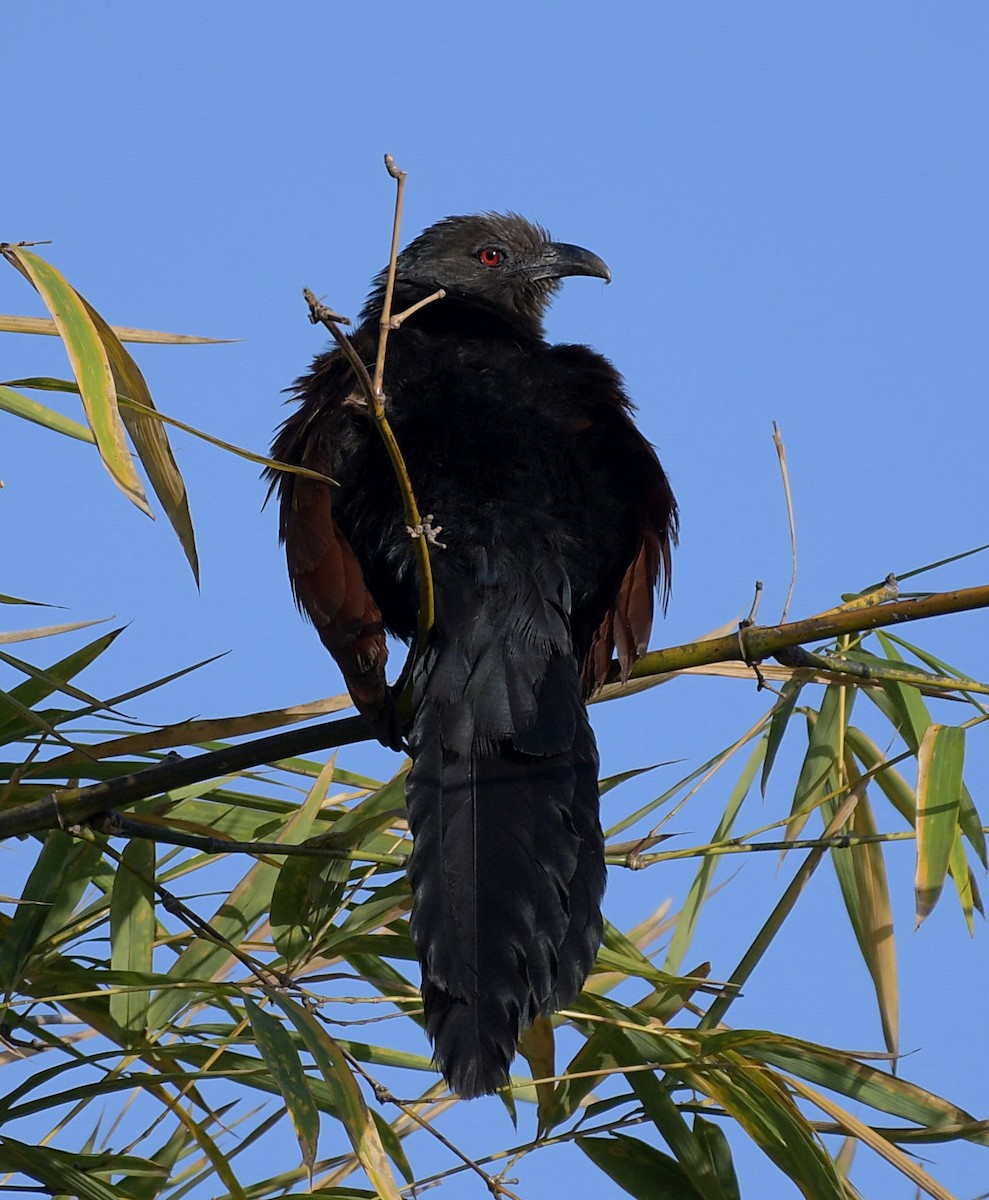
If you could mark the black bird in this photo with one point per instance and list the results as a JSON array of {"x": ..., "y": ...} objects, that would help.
[{"x": 557, "y": 523}]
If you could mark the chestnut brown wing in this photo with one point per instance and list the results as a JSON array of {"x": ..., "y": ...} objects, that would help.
[
  {"x": 326, "y": 577},
  {"x": 651, "y": 532}
]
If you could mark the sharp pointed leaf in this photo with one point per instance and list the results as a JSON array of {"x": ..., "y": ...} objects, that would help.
[
  {"x": 282, "y": 1060},
  {"x": 939, "y": 782},
  {"x": 90, "y": 366},
  {"x": 132, "y": 932}
]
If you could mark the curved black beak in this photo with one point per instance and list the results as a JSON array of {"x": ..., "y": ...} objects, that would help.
[{"x": 559, "y": 259}]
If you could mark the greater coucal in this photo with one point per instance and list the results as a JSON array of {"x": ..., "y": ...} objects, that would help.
[{"x": 557, "y": 523}]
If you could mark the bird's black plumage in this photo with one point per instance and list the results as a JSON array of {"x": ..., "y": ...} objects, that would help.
[{"x": 557, "y": 522}]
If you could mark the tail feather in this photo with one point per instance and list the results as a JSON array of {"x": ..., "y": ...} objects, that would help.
[{"x": 507, "y": 867}]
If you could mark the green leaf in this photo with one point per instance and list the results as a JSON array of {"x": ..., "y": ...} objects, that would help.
[
  {"x": 33, "y": 691},
  {"x": 790, "y": 693},
  {"x": 41, "y": 325},
  {"x": 847, "y": 1076},
  {"x": 356, "y": 1119},
  {"x": 308, "y": 891},
  {"x": 861, "y": 872},
  {"x": 701, "y": 885},
  {"x": 641, "y": 1170},
  {"x": 965, "y": 884},
  {"x": 940, "y": 762},
  {"x": 247, "y": 904},
  {"x": 31, "y": 410},
  {"x": 132, "y": 932},
  {"x": 816, "y": 780},
  {"x": 56, "y": 1170},
  {"x": 34, "y": 603},
  {"x": 763, "y": 1107},
  {"x": 282, "y": 1060},
  {"x": 715, "y": 1145},
  {"x": 54, "y": 887}
]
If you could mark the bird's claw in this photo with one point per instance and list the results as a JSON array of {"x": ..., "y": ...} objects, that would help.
[{"x": 425, "y": 529}]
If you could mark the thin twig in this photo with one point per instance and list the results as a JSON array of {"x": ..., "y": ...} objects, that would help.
[
  {"x": 384, "y": 1096},
  {"x": 781, "y": 455},
  {"x": 397, "y": 321},
  {"x": 375, "y": 397},
  {"x": 268, "y": 976},
  {"x": 114, "y": 824},
  {"x": 840, "y": 841}
]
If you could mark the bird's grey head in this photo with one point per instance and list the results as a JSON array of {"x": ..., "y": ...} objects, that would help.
[{"x": 496, "y": 261}]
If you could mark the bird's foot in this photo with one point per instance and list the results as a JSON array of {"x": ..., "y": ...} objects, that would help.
[{"x": 425, "y": 529}]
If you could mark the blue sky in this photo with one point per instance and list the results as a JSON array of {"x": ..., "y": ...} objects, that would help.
[{"x": 792, "y": 199}]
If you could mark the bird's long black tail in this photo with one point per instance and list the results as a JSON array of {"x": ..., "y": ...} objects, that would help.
[{"x": 507, "y": 869}]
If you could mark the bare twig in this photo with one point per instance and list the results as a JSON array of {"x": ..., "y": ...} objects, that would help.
[
  {"x": 781, "y": 454},
  {"x": 266, "y": 975},
  {"x": 397, "y": 321},
  {"x": 840, "y": 841},
  {"x": 375, "y": 397},
  {"x": 384, "y": 1096}
]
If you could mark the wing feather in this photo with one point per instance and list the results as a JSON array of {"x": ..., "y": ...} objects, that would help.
[{"x": 327, "y": 580}]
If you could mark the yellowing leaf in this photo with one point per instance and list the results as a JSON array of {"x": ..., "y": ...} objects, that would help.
[
  {"x": 150, "y": 439},
  {"x": 90, "y": 366},
  {"x": 352, "y": 1110}
]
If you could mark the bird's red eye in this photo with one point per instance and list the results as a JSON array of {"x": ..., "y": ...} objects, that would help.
[{"x": 489, "y": 256}]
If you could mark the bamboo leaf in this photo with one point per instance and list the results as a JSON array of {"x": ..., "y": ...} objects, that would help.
[
  {"x": 715, "y": 1145},
  {"x": 353, "y": 1112},
  {"x": 895, "y": 788},
  {"x": 940, "y": 762},
  {"x": 861, "y": 872},
  {"x": 56, "y": 1170},
  {"x": 907, "y": 702},
  {"x": 33, "y": 603},
  {"x": 132, "y": 932},
  {"x": 42, "y": 325},
  {"x": 393, "y": 1146},
  {"x": 777, "y": 727},
  {"x": 763, "y": 1107},
  {"x": 893, "y": 1154},
  {"x": 52, "y": 890},
  {"x": 237, "y": 915},
  {"x": 965, "y": 885},
  {"x": 29, "y": 635},
  {"x": 701, "y": 885},
  {"x": 859, "y": 1081},
  {"x": 308, "y": 891},
  {"x": 282, "y": 1060},
  {"x": 149, "y": 438},
  {"x": 31, "y": 410},
  {"x": 33, "y": 691},
  {"x": 90, "y": 366},
  {"x": 815, "y": 781},
  {"x": 641, "y": 1170},
  {"x": 537, "y": 1045}
]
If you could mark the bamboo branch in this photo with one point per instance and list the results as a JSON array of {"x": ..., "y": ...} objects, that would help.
[
  {"x": 75, "y": 805},
  {"x": 766, "y": 641}
]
